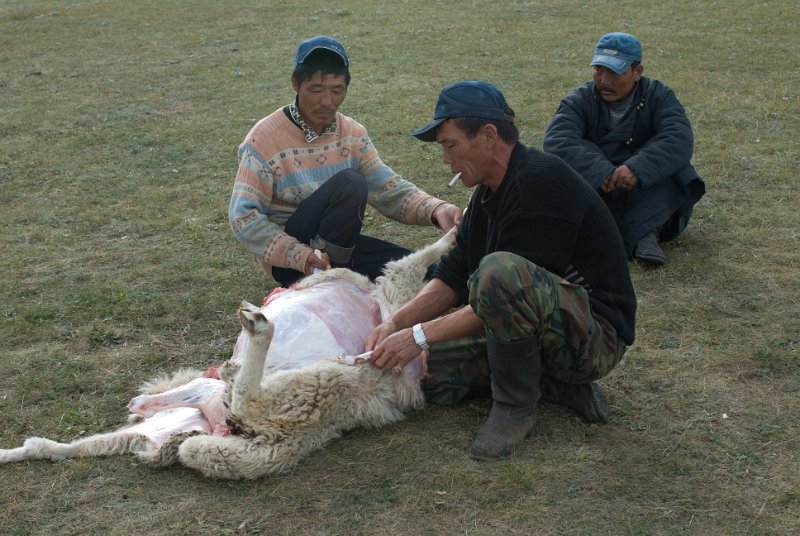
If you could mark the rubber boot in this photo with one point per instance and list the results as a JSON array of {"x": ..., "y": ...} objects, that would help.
[
  {"x": 585, "y": 398},
  {"x": 516, "y": 371}
]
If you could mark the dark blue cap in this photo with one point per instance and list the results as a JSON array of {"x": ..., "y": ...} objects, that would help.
[
  {"x": 617, "y": 51},
  {"x": 465, "y": 99},
  {"x": 320, "y": 42}
]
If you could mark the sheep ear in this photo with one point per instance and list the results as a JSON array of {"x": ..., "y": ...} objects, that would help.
[
  {"x": 247, "y": 305},
  {"x": 250, "y": 316},
  {"x": 248, "y": 320}
]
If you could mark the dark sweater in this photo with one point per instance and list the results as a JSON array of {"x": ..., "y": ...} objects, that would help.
[{"x": 544, "y": 211}]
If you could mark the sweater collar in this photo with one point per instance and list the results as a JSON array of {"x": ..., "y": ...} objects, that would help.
[{"x": 294, "y": 113}]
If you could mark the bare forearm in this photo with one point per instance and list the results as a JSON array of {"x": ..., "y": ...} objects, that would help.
[
  {"x": 433, "y": 300},
  {"x": 460, "y": 323}
]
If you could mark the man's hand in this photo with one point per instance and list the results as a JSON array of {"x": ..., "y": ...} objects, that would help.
[
  {"x": 446, "y": 216},
  {"x": 396, "y": 350},
  {"x": 621, "y": 178},
  {"x": 313, "y": 260},
  {"x": 381, "y": 331}
]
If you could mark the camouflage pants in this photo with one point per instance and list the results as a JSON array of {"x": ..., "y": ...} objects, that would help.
[
  {"x": 517, "y": 299},
  {"x": 457, "y": 369}
]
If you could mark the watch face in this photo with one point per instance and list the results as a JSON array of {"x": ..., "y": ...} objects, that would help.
[{"x": 419, "y": 336}]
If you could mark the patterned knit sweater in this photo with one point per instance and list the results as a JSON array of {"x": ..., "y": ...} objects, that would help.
[{"x": 278, "y": 169}]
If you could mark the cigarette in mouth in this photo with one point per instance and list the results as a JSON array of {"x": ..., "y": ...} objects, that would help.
[{"x": 454, "y": 179}]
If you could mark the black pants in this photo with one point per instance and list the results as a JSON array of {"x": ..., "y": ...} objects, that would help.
[{"x": 335, "y": 212}]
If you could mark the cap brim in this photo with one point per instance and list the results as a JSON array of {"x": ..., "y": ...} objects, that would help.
[
  {"x": 428, "y": 132},
  {"x": 618, "y": 65}
]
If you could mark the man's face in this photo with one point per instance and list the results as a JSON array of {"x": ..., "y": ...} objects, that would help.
[
  {"x": 615, "y": 87},
  {"x": 319, "y": 97},
  {"x": 464, "y": 154}
]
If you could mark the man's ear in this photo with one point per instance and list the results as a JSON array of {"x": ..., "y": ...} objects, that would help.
[
  {"x": 637, "y": 72},
  {"x": 489, "y": 133},
  {"x": 295, "y": 85}
]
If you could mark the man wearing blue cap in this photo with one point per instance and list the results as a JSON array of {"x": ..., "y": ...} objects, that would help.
[
  {"x": 307, "y": 172},
  {"x": 630, "y": 139},
  {"x": 538, "y": 267}
]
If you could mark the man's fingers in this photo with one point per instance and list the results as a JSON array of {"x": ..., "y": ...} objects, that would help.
[{"x": 378, "y": 359}]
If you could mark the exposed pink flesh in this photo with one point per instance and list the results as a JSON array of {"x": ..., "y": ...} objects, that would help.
[
  {"x": 204, "y": 394},
  {"x": 170, "y": 421},
  {"x": 328, "y": 320}
]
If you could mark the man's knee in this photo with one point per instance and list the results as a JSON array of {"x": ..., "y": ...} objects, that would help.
[
  {"x": 499, "y": 268},
  {"x": 502, "y": 273},
  {"x": 351, "y": 184},
  {"x": 510, "y": 295}
]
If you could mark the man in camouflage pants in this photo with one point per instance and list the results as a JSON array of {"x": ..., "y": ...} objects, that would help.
[{"x": 538, "y": 279}]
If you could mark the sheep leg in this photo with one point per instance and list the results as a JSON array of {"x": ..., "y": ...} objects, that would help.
[
  {"x": 40, "y": 448},
  {"x": 142, "y": 437},
  {"x": 248, "y": 379},
  {"x": 419, "y": 261},
  {"x": 403, "y": 278}
]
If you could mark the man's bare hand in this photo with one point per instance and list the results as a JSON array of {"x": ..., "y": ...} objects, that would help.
[
  {"x": 396, "y": 350},
  {"x": 313, "y": 260},
  {"x": 622, "y": 178},
  {"x": 446, "y": 216},
  {"x": 381, "y": 331}
]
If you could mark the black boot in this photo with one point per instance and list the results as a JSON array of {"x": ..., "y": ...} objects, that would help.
[
  {"x": 516, "y": 371},
  {"x": 585, "y": 398},
  {"x": 648, "y": 250}
]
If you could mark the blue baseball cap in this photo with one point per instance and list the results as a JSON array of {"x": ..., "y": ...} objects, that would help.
[
  {"x": 465, "y": 99},
  {"x": 320, "y": 42},
  {"x": 617, "y": 51}
]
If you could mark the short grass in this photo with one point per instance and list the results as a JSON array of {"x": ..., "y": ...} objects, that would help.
[{"x": 120, "y": 123}]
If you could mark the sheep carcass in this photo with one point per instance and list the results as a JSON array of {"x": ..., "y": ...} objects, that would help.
[{"x": 297, "y": 379}]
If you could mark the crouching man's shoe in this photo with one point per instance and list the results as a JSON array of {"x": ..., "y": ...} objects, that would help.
[
  {"x": 648, "y": 249},
  {"x": 516, "y": 389},
  {"x": 585, "y": 398}
]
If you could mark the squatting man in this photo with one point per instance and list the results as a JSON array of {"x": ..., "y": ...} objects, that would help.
[
  {"x": 628, "y": 136},
  {"x": 307, "y": 172},
  {"x": 538, "y": 265}
]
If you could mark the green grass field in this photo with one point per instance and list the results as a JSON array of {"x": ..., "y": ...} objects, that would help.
[{"x": 119, "y": 124}]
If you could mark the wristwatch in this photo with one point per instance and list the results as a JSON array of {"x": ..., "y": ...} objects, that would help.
[{"x": 419, "y": 336}]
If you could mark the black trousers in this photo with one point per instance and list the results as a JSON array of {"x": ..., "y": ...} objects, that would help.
[{"x": 335, "y": 213}]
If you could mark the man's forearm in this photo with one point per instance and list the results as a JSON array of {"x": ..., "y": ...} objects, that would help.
[{"x": 433, "y": 300}]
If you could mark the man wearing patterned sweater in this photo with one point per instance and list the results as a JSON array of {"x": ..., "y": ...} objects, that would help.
[{"x": 306, "y": 173}]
